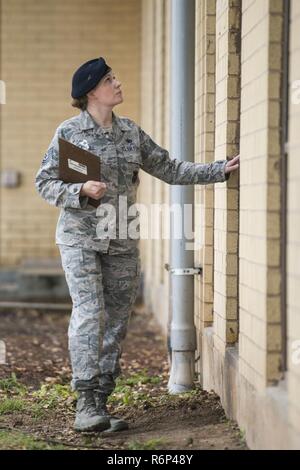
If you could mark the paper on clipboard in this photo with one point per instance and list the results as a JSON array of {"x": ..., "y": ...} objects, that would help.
[{"x": 77, "y": 165}]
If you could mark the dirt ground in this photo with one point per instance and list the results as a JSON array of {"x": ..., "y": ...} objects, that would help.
[{"x": 37, "y": 407}]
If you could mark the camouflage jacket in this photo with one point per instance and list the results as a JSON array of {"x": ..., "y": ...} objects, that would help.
[{"x": 122, "y": 153}]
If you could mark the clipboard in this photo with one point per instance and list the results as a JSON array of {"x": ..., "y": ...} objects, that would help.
[{"x": 77, "y": 165}]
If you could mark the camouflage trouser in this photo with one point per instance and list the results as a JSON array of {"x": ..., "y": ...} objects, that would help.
[{"x": 103, "y": 288}]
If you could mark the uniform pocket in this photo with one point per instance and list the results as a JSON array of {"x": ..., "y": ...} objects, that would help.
[
  {"x": 71, "y": 257},
  {"x": 76, "y": 274},
  {"x": 133, "y": 158},
  {"x": 132, "y": 169}
]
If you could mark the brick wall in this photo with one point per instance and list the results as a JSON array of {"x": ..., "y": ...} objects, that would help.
[
  {"x": 237, "y": 300},
  {"x": 260, "y": 346},
  {"x": 42, "y": 43},
  {"x": 293, "y": 250},
  {"x": 147, "y": 88},
  {"x": 155, "y": 95},
  {"x": 204, "y": 152},
  {"x": 226, "y": 195}
]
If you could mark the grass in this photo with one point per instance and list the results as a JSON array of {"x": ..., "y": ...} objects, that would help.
[
  {"x": 12, "y": 395},
  {"x": 242, "y": 436},
  {"x": 151, "y": 444},
  {"x": 18, "y": 440},
  {"x": 126, "y": 393},
  {"x": 50, "y": 396},
  {"x": 16, "y": 398},
  {"x": 141, "y": 378},
  {"x": 138, "y": 391},
  {"x": 12, "y": 385},
  {"x": 11, "y": 405}
]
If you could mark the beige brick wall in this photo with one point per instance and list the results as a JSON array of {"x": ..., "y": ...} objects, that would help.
[
  {"x": 155, "y": 90},
  {"x": 259, "y": 288},
  {"x": 204, "y": 152},
  {"x": 226, "y": 195},
  {"x": 166, "y": 137},
  {"x": 239, "y": 225},
  {"x": 274, "y": 185},
  {"x": 158, "y": 117},
  {"x": 147, "y": 65},
  {"x": 42, "y": 43},
  {"x": 147, "y": 84},
  {"x": 293, "y": 250}
]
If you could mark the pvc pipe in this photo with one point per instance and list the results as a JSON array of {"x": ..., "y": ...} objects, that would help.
[{"x": 182, "y": 333}]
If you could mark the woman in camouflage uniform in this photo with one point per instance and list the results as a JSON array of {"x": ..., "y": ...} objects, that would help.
[{"x": 102, "y": 271}]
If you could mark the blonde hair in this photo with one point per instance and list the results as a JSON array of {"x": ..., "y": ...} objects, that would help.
[{"x": 80, "y": 103}]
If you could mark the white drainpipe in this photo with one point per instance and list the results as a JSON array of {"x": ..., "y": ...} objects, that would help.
[{"x": 182, "y": 334}]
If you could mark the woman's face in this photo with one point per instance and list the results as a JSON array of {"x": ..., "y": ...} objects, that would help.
[{"x": 108, "y": 91}]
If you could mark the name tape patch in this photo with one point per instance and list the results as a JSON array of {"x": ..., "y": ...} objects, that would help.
[{"x": 77, "y": 166}]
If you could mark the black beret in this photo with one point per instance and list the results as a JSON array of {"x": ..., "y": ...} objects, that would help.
[{"x": 87, "y": 76}]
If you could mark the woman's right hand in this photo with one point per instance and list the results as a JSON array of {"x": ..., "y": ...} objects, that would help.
[{"x": 93, "y": 189}]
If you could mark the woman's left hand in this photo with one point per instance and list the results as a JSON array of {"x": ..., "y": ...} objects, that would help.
[{"x": 232, "y": 164}]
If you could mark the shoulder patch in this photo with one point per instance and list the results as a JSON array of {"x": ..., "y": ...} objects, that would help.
[{"x": 48, "y": 155}]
